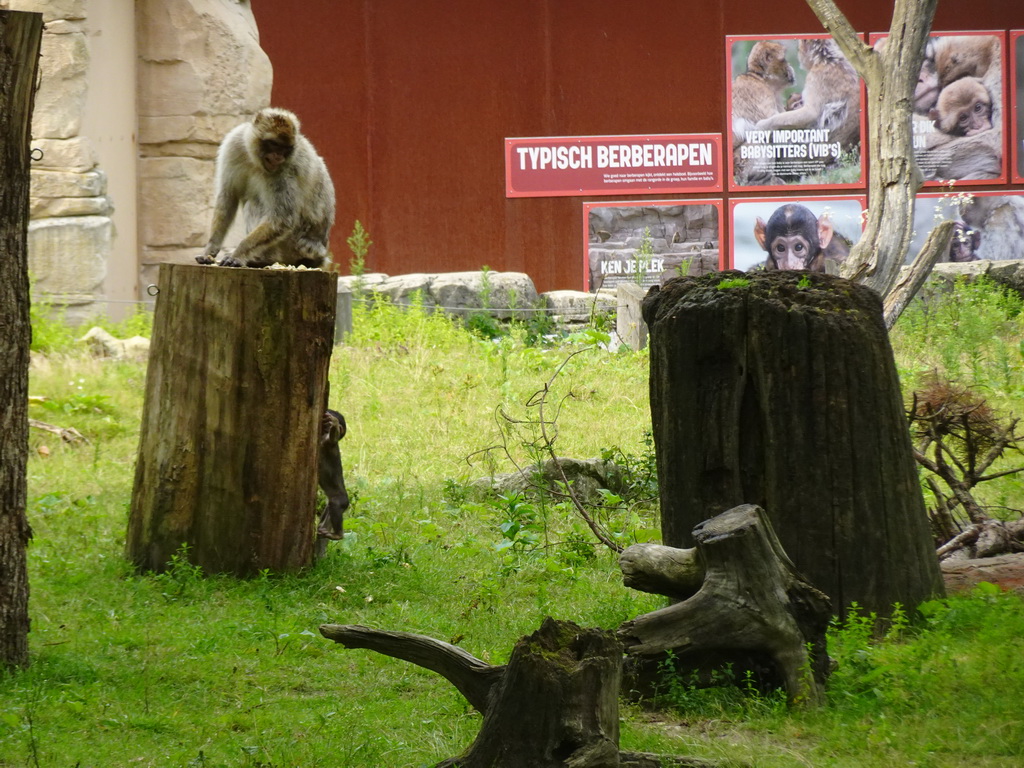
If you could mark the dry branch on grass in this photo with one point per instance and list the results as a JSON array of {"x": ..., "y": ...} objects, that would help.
[
  {"x": 68, "y": 435},
  {"x": 958, "y": 438}
]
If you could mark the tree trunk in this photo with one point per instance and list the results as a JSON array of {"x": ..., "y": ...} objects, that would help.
[
  {"x": 751, "y": 601},
  {"x": 235, "y": 394},
  {"x": 782, "y": 392},
  {"x": 20, "y": 36},
  {"x": 890, "y": 77},
  {"x": 554, "y": 705}
]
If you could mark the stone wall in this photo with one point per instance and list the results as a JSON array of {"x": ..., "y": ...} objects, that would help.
[
  {"x": 200, "y": 71},
  {"x": 71, "y": 230}
]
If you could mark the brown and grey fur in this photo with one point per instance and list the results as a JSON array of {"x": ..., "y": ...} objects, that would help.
[{"x": 269, "y": 168}]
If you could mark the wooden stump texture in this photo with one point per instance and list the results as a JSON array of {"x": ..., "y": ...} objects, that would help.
[
  {"x": 751, "y": 600},
  {"x": 235, "y": 392},
  {"x": 20, "y": 36},
  {"x": 779, "y": 389}
]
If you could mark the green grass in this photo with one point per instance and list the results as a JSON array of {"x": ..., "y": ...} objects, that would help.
[{"x": 187, "y": 670}]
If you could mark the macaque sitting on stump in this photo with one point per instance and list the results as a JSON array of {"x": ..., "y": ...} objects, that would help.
[
  {"x": 272, "y": 171},
  {"x": 330, "y": 477}
]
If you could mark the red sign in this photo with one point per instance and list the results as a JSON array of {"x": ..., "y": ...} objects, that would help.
[{"x": 565, "y": 166}]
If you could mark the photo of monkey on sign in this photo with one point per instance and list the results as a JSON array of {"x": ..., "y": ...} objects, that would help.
[
  {"x": 958, "y": 108},
  {"x": 811, "y": 234},
  {"x": 795, "y": 112},
  {"x": 989, "y": 225}
]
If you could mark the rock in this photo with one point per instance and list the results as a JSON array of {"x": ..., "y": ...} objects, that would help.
[
  {"x": 1006, "y": 571},
  {"x": 1009, "y": 273},
  {"x": 190, "y": 55},
  {"x": 585, "y": 475},
  {"x": 67, "y": 255},
  {"x": 400, "y": 289},
  {"x": 578, "y": 306},
  {"x": 104, "y": 344},
  {"x": 65, "y": 184},
  {"x": 63, "y": 62},
  {"x": 51, "y": 9},
  {"x": 52, "y": 207},
  {"x": 368, "y": 282},
  {"x": 459, "y": 293},
  {"x": 175, "y": 201},
  {"x": 629, "y": 323},
  {"x": 77, "y": 154}
]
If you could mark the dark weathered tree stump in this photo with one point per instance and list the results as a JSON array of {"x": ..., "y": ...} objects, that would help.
[
  {"x": 20, "y": 36},
  {"x": 554, "y": 705},
  {"x": 782, "y": 391},
  {"x": 751, "y": 600},
  {"x": 235, "y": 394}
]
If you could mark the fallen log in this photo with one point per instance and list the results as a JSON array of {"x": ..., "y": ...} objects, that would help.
[
  {"x": 751, "y": 600},
  {"x": 66, "y": 434}
]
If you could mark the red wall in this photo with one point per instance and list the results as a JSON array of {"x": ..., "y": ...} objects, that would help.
[{"x": 409, "y": 102}]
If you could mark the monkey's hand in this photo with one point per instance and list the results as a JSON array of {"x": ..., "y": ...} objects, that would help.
[
  {"x": 795, "y": 101},
  {"x": 231, "y": 261},
  {"x": 330, "y": 429},
  {"x": 329, "y": 534},
  {"x": 204, "y": 259}
]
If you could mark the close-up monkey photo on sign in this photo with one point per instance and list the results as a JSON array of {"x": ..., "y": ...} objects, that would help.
[
  {"x": 795, "y": 114},
  {"x": 958, "y": 110}
]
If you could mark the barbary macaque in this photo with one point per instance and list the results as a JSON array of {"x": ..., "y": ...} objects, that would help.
[
  {"x": 272, "y": 170},
  {"x": 794, "y": 238},
  {"x": 999, "y": 220},
  {"x": 964, "y": 245},
  {"x": 964, "y": 108},
  {"x": 830, "y": 97},
  {"x": 959, "y": 56},
  {"x": 331, "y": 478},
  {"x": 757, "y": 93}
]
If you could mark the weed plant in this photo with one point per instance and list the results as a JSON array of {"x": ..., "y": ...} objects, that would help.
[
  {"x": 971, "y": 333},
  {"x": 194, "y": 669}
]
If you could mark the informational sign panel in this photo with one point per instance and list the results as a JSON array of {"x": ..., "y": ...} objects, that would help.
[
  {"x": 834, "y": 223},
  {"x": 1017, "y": 99},
  {"x": 959, "y": 108},
  {"x": 648, "y": 241},
  {"x": 795, "y": 112},
  {"x": 564, "y": 166},
  {"x": 989, "y": 225}
]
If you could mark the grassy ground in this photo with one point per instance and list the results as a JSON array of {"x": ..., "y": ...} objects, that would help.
[{"x": 187, "y": 670}]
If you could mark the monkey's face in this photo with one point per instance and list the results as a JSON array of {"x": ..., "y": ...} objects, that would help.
[
  {"x": 274, "y": 154},
  {"x": 790, "y": 251},
  {"x": 964, "y": 108},
  {"x": 964, "y": 244},
  {"x": 768, "y": 60}
]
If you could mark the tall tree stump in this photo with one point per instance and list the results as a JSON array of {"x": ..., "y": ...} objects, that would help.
[
  {"x": 235, "y": 393},
  {"x": 20, "y": 36},
  {"x": 779, "y": 389}
]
